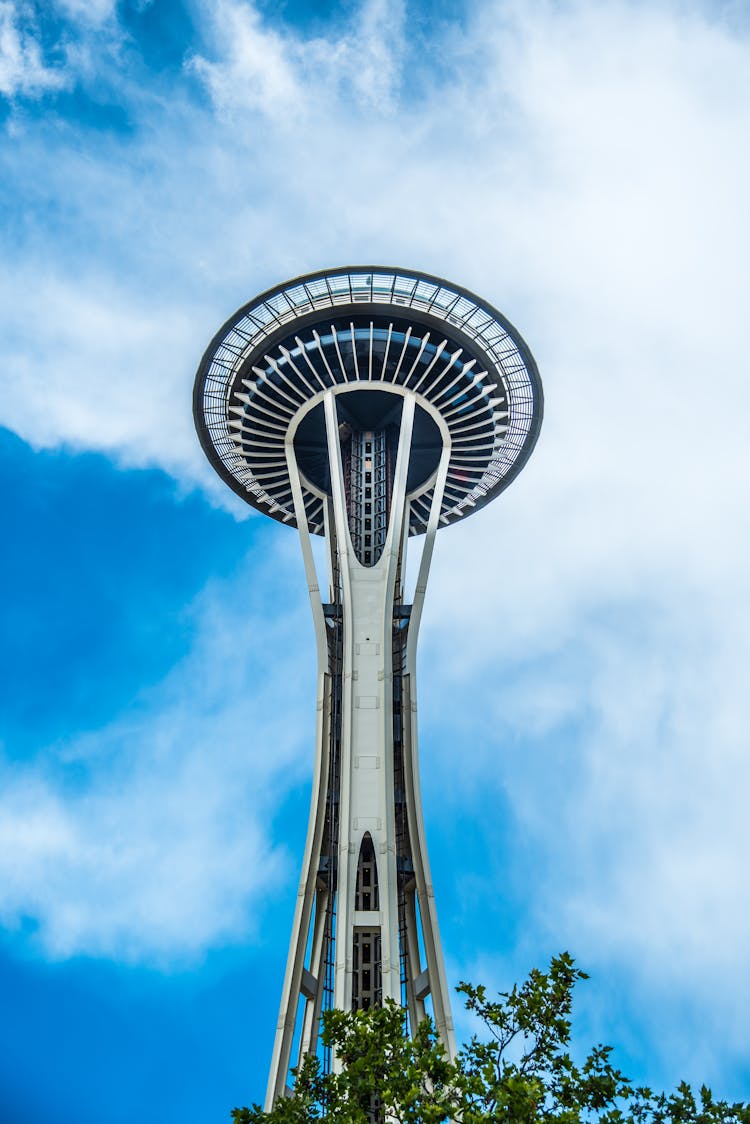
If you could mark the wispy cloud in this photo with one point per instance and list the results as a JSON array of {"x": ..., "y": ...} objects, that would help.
[
  {"x": 292, "y": 78},
  {"x": 150, "y": 840},
  {"x": 23, "y": 69},
  {"x": 257, "y": 69},
  {"x": 90, "y": 13}
]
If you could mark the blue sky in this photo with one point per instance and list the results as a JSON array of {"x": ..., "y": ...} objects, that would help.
[{"x": 584, "y": 710}]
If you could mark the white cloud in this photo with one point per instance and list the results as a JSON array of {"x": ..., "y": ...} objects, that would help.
[
  {"x": 89, "y": 12},
  {"x": 258, "y": 73},
  {"x": 149, "y": 840},
  {"x": 88, "y": 363},
  {"x": 22, "y": 67},
  {"x": 372, "y": 55},
  {"x": 292, "y": 79}
]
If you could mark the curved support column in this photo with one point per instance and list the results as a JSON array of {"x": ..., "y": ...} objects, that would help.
[{"x": 436, "y": 978}]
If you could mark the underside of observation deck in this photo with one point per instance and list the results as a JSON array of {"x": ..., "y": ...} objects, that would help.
[{"x": 371, "y": 329}]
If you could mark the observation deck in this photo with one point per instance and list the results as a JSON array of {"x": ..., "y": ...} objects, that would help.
[{"x": 383, "y": 333}]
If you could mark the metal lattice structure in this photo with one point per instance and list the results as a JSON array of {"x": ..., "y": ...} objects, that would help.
[{"x": 365, "y": 404}]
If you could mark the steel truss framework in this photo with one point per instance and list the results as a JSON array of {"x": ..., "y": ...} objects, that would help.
[{"x": 366, "y": 405}]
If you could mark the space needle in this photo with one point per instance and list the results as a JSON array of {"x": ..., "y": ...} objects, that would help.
[{"x": 368, "y": 405}]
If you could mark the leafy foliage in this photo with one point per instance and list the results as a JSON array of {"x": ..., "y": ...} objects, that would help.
[{"x": 518, "y": 1072}]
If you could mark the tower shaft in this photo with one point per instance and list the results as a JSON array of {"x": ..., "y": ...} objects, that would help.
[
  {"x": 366, "y": 404},
  {"x": 365, "y": 915}
]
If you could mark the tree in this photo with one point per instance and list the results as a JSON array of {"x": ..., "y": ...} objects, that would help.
[{"x": 518, "y": 1072}]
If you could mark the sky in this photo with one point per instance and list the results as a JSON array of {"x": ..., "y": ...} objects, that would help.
[{"x": 584, "y": 712}]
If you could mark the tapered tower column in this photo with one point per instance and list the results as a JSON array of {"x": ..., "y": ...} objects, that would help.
[{"x": 366, "y": 405}]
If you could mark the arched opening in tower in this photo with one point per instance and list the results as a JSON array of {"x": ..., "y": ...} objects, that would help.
[
  {"x": 367, "y": 970},
  {"x": 367, "y": 894}
]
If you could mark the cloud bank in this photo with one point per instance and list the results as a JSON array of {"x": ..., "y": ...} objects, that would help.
[{"x": 150, "y": 840}]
